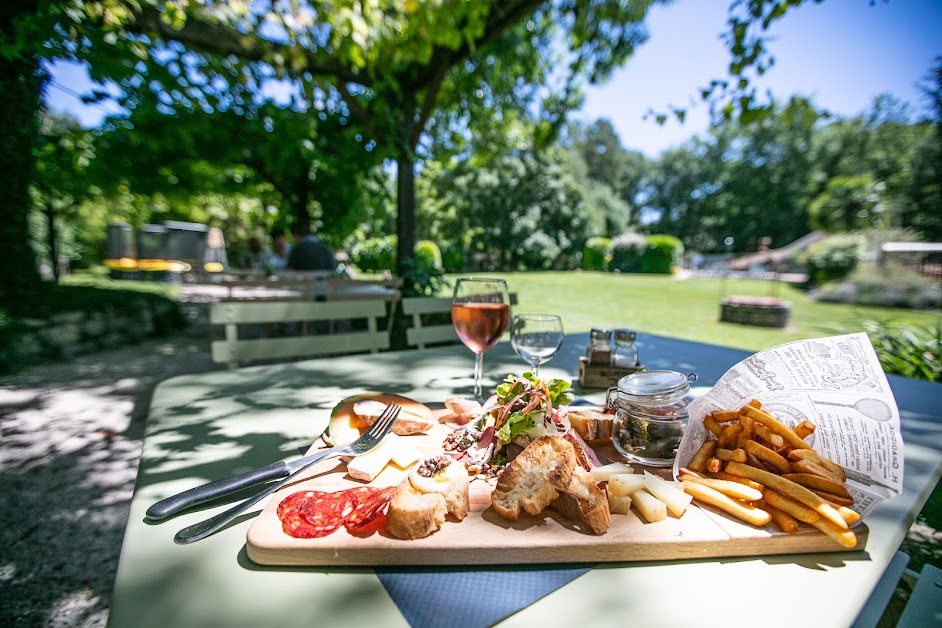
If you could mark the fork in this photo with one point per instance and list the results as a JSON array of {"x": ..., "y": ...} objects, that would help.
[{"x": 370, "y": 439}]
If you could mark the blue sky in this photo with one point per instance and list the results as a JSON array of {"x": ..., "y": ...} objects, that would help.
[{"x": 841, "y": 53}]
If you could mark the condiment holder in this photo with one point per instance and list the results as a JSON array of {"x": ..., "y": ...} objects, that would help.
[{"x": 602, "y": 365}]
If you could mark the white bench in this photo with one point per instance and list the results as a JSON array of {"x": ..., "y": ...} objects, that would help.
[{"x": 233, "y": 314}]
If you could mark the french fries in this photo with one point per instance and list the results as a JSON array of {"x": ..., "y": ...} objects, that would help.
[
  {"x": 730, "y": 489},
  {"x": 810, "y": 454},
  {"x": 757, "y": 469},
  {"x": 699, "y": 460},
  {"x": 739, "y": 455},
  {"x": 817, "y": 482},
  {"x": 789, "y": 489},
  {"x": 768, "y": 457},
  {"x": 784, "y": 521},
  {"x": 741, "y": 510}
]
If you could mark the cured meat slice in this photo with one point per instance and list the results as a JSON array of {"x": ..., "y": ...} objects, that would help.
[
  {"x": 294, "y": 524},
  {"x": 294, "y": 500},
  {"x": 327, "y": 509},
  {"x": 313, "y": 514},
  {"x": 370, "y": 503}
]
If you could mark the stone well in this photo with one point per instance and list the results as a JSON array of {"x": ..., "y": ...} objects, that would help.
[{"x": 757, "y": 311}]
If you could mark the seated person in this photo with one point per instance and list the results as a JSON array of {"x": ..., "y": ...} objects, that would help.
[
  {"x": 278, "y": 256},
  {"x": 308, "y": 252}
]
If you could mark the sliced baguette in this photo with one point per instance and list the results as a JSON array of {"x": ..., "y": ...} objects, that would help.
[
  {"x": 584, "y": 502},
  {"x": 534, "y": 478},
  {"x": 590, "y": 424},
  {"x": 414, "y": 514}
]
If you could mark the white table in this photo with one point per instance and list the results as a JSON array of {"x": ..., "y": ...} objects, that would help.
[{"x": 207, "y": 426}]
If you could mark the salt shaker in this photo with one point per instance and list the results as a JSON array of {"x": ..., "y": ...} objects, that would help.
[{"x": 626, "y": 353}]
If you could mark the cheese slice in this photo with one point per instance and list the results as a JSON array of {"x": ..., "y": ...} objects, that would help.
[
  {"x": 404, "y": 455},
  {"x": 675, "y": 500},
  {"x": 367, "y": 466},
  {"x": 650, "y": 507},
  {"x": 603, "y": 474}
]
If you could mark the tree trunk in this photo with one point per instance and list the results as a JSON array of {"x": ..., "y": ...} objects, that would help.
[
  {"x": 20, "y": 89},
  {"x": 405, "y": 185},
  {"x": 302, "y": 211},
  {"x": 51, "y": 235}
]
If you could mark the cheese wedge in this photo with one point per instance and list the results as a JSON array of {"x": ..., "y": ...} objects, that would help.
[
  {"x": 622, "y": 485},
  {"x": 649, "y": 506},
  {"x": 405, "y": 455},
  {"x": 619, "y": 505},
  {"x": 604, "y": 473},
  {"x": 367, "y": 466},
  {"x": 675, "y": 500}
]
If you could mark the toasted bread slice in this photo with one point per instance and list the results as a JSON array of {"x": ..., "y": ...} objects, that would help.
[
  {"x": 532, "y": 480},
  {"x": 590, "y": 424},
  {"x": 414, "y": 514},
  {"x": 584, "y": 502},
  {"x": 457, "y": 499},
  {"x": 425, "y": 501},
  {"x": 406, "y": 423}
]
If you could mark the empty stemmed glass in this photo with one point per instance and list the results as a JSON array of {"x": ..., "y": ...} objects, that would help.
[
  {"x": 536, "y": 338},
  {"x": 480, "y": 311}
]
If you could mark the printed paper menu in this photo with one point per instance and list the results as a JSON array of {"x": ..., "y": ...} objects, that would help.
[{"x": 837, "y": 383}]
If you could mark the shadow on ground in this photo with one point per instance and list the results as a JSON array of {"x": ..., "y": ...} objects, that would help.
[{"x": 70, "y": 442}]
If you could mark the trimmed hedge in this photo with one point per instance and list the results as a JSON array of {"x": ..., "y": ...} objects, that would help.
[
  {"x": 626, "y": 252},
  {"x": 596, "y": 254},
  {"x": 662, "y": 254}
]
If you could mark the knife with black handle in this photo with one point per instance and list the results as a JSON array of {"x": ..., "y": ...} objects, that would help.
[{"x": 206, "y": 492}]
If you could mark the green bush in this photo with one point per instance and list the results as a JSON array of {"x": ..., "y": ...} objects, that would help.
[
  {"x": 904, "y": 349},
  {"x": 596, "y": 254},
  {"x": 626, "y": 252},
  {"x": 832, "y": 258},
  {"x": 892, "y": 285},
  {"x": 428, "y": 253},
  {"x": 452, "y": 258},
  {"x": 374, "y": 255},
  {"x": 662, "y": 254}
]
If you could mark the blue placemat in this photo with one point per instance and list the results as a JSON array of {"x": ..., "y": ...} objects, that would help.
[{"x": 471, "y": 597}]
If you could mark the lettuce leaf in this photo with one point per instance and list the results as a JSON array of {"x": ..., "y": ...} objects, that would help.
[{"x": 517, "y": 424}]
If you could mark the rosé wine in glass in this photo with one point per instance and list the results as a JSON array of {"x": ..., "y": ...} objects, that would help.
[{"x": 480, "y": 312}]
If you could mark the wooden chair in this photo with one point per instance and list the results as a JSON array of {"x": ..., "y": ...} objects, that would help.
[
  {"x": 421, "y": 334},
  {"x": 232, "y": 314}
]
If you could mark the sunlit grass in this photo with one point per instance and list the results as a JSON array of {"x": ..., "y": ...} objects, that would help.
[{"x": 686, "y": 308}]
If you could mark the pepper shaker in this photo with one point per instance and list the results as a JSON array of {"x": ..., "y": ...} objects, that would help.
[{"x": 599, "y": 350}]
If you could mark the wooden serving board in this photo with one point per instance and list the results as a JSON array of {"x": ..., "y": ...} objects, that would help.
[{"x": 486, "y": 538}]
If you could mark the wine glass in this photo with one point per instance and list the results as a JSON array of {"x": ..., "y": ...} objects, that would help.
[
  {"x": 536, "y": 338},
  {"x": 480, "y": 311}
]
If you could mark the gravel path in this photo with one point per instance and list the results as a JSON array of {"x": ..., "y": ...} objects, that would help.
[{"x": 70, "y": 441}]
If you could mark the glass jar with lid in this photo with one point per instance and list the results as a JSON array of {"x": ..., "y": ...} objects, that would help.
[{"x": 650, "y": 415}]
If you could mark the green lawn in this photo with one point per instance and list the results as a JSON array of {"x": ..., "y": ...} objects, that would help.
[{"x": 687, "y": 309}]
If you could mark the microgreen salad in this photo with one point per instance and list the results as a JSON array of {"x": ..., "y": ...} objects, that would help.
[{"x": 524, "y": 409}]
